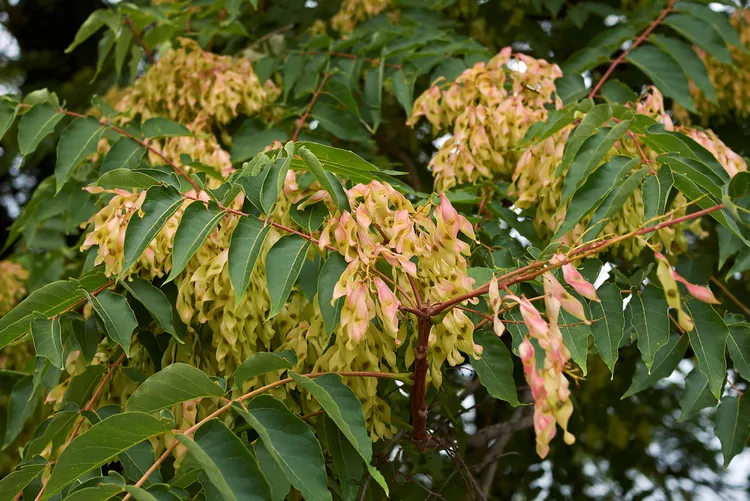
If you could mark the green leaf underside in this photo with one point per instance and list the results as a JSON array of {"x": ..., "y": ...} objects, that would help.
[
  {"x": 696, "y": 396},
  {"x": 35, "y": 125},
  {"x": 291, "y": 443},
  {"x": 154, "y": 300},
  {"x": 665, "y": 361},
  {"x": 174, "y": 384},
  {"x": 102, "y": 442},
  {"x": 495, "y": 368},
  {"x": 261, "y": 363}
]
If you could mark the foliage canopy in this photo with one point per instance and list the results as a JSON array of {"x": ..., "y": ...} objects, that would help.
[{"x": 288, "y": 242}]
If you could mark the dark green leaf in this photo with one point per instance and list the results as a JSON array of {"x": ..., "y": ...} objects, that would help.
[
  {"x": 35, "y": 125},
  {"x": 232, "y": 471},
  {"x": 261, "y": 363},
  {"x": 247, "y": 241},
  {"x": 650, "y": 321},
  {"x": 732, "y": 426},
  {"x": 124, "y": 154},
  {"x": 155, "y": 301},
  {"x": 283, "y": 265},
  {"x": 160, "y": 204},
  {"x": 48, "y": 301},
  {"x": 24, "y": 398},
  {"x": 101, "y": 443},
  {"x": 374, "y": 92},
  {"x": 696, "y": 396},
  {"x": 14, "y": 482},
  {"x": 81, "y": 386},
  {"x": 708, "y": 340},
  {"x": 101, "y": 492},
  {"x": 47, "y": 337},
  {"x": 275, "y": 476},
  {"x": 665, "y": 361},
  {"x": 54, "y": 431},
  {"x": 251, "y": 140},
  {"x": 8, "y": 113},
  {"x": 92, "y": 24},
  {"x": 172, "y": 385},
  {"x": 738, "y": 341},
  {"x": 495, "y": 368},
  {"x": 576, "y": 338},
  {"x": 346, "y": 460},
  {"x": 77, "y": 142},
  {"x": 316, "y": 168},
  {"x": 329, "y": 276},
  {"x": 594, "y": 190},
  {"x": 608, "y": 323},
  {"x": 701, "y": 33},
  {"x": 664, "y": 72},
  {"x": 588, "y": 127},
  {"x": 126, "y": 178},
  {"x": 137, "y": 460},
  {"x": 691, "y": 64},
  {"x": 198, "y": 221},
  {"x": 655, "y": 193},
  {"x": 343, "y": 407},
  {"x": 403, "y": 89},
  {"x": 291, "y": 443},
  {"x": 116, "y": 315},
  {"x": 613, "y": 203},
  {"x": 311, "y": 217},
  {"x": 164, "y": 127}
]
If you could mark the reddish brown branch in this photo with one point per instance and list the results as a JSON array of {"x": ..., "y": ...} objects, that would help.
[
  {"x": 417, "y": 402},
  {"x": 656, "y": 22},
  {"x": 304, "y": 116},
  {"x": 137, "y": 36}
]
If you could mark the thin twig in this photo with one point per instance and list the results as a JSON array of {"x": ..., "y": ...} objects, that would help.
[
  {"x": 246, "y": 396},
  {"x": 729, "y": 294},
  {"x": 137, "y": 36},
  {"x": 269, "y": 35},
  {"x": 635, "y": 44},
  {"x": 303, "y": 118}
]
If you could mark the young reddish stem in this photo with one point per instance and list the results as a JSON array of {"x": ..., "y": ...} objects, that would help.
[
  {"x": 221, "y": 410},
  {"x": 304, "y": 116},
  {"x": 638, "y": 41},
  {"x": 138, "y": 38},
  {"x": 87, "y": 407}
]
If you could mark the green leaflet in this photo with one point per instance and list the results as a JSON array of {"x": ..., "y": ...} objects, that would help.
[
  {"x": 343, "y": 407},
  {"x": 665, "y": 362},
  {"x": 24, "y": 398},
  {"x": 311, "y": 217},
  {"x": 35, "y": 125},
  {"x": 77, "y": 142},
  {"x": 700, "y": 33},
  {"x": 126, "y": 178},
  {"x": 608, "y": 324},
  {"x": 124, "y": 154},
  {"x": 174, "y": 384},
  {"x": 291, "y": 443},
  {"x": 160, "y": 204},
  {"x": 116, "y": 315},
  {"x": 327, "y": 181},
  {"x": 81, "y": 386},
  {"x": 732, "y": 426},
  {"x": 590, "y": 156},
  {"x": 613, "y": 203},
  {"x": 164, "y": 127},
  {"x": 329, "y": 276},
  {"x": 137, "y": 460},
  {"x": 101, "y": 443},
  {"x": 696, "y": 396},
  {"x": 664, "y": 72},
  {"x": 261, "y": 363},
  {"x": 689, "y": 61},
  {"x": 738, "y": 341},
  {"x": 495, "y": 368},
  {"x": 247, "y": 241},
  {"x": 346, "y": 460},
  {"x": 92, "y": 24},
  {"x": 374, "y": 92},
  {"x": 283, "y": 265},
  {"x": 101, "y": 492},
  {"x": 403, "y": 89},
  {"x": 231, "y": 471},
  {"x": 47, "y": 337},
  {"x": 54, "y": 430},
  {"x": 576, "y": 338},
  {"x": 650, "y": 321},
  {"x": 594, "y": 190},
  {"x": 275, "y": 476},
  {"x": 156, "y": 302},
  {"x": 198, "y": 221},
  {"x": 588, "y": 127},
  {"x": 8, "y": 113},
  {"x": 655, "y": 192},
  {"x": 708, "y": 340},
  {"x": 47, "y": 301},
  {"x": 14, "y": 482}
]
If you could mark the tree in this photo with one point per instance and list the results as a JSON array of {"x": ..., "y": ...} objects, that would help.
[{"x": 300, "y": 250}]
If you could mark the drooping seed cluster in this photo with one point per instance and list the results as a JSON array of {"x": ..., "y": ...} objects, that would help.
[
  {"x": 488, "y": 110},
  {"x": 354, "y": 12},
  {"x": 13, "y": 278}
]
